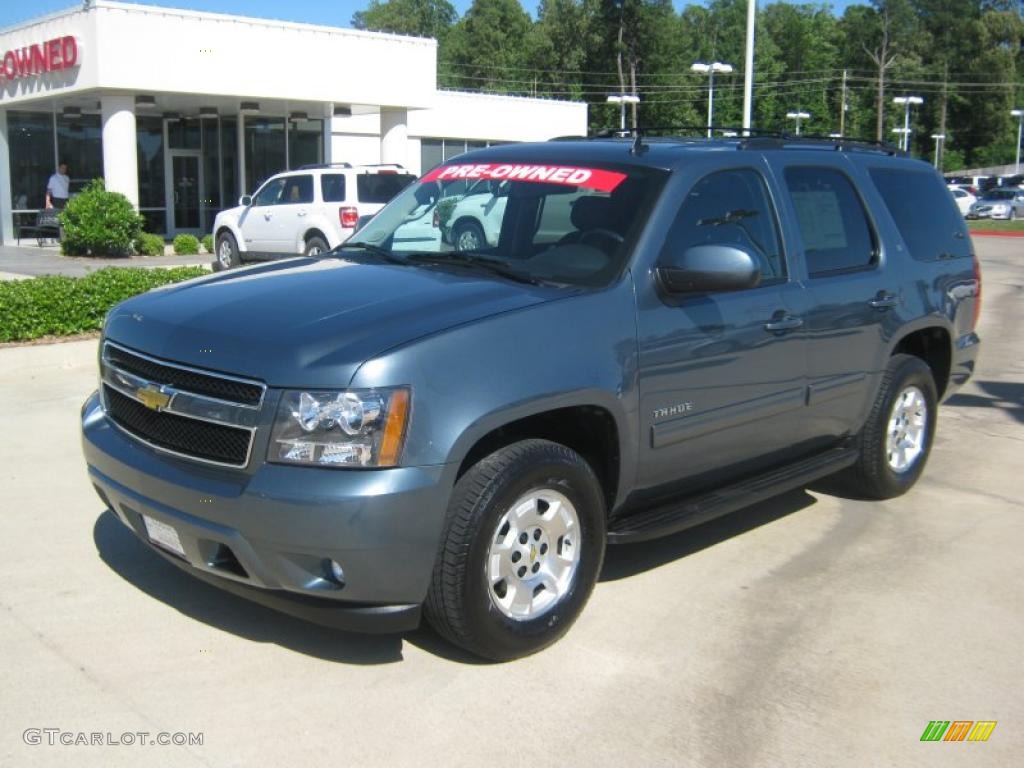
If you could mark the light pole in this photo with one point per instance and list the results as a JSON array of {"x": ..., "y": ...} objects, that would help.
[
  {"x": 798, "y": 116},
  {"x": 939, "y": 138},
  {"x": 907, "y": 102},
  {"x": 902, "y": 133},
  {"x": 622, "y": 99},
  {"x": 1019, "y": 114},
  {"x": 710, "y": 70},
  {"x": 748, "y": 67}
]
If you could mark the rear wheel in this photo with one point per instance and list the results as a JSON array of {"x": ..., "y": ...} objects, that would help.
[
  {"x": 315, "y": 246},
  {"x": 468, "y": 236},
  {"x": 522, "y": 548},
  {"x": 227, "y": 251},
  {"x": 897, "y": 437}
]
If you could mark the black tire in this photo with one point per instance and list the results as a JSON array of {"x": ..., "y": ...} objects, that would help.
[
  {"x": 468, "y": 236},
  {"x": 316, "y": 245},
  {"x": 873, "y": 475},
  {"x": 459, "y": 604},
  {"x": 227, "y": 252}
]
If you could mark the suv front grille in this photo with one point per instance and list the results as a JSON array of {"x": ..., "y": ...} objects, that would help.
[
  {"x": 179, "y": 434},
  {"x": 191, "y": 413},
  {"x": 184, "y": 379}
]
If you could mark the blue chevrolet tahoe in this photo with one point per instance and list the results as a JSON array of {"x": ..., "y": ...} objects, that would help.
[{"x": 663, "y": 331}]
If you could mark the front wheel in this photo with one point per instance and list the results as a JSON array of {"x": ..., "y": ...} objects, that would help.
[
  {"x": 227, "y": 251},
  {"x": 897, "y": 437},
  {"x": 468, "y": 236},
  {"x": 522, "y": 547}
]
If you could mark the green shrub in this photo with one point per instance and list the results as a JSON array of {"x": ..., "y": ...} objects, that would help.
[
  {"x": 186, "y": 245},
  {"x": 97, "y": 222},
  {"x": 207, "y": 242},
  {"x": 149, "y": 245},
  {"x": 55, "y": 305}
]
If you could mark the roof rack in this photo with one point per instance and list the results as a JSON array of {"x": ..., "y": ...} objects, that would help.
[
  {"x": 746, "y": 138},
  {"x": 314, "y": 166}
]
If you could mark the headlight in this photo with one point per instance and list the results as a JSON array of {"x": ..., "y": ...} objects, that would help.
[{"x": 351, "y": 428}]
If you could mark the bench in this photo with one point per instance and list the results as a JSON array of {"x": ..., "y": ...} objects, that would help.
[{"x": 46, "y": 226}]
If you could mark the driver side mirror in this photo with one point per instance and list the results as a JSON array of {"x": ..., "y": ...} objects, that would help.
[
  {"x": 707, "y": 269},
  {"x": 245, "y": 200}
]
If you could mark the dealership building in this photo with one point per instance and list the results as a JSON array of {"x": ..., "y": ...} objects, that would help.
[{"x": 183, "y": 111}]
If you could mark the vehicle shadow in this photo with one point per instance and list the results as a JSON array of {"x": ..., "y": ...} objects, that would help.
[
  {"x": 625, "y": 560},
  {"x": 130, "y": 559},
  {"x": 1005, "y": 395}
]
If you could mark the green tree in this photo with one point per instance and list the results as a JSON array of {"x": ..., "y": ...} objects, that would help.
[
  {"x": 426, "y": 18},
  {"x": 487, "y": 49}
]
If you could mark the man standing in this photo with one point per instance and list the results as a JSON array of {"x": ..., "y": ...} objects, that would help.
[{"x": 57, "y": 188}]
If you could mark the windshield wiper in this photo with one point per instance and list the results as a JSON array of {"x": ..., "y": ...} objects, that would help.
[
  {"x": 472, "y": 259},
  {"x": 376, "y": 250}
]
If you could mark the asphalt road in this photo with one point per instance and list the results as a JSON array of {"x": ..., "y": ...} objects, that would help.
[
  {"x": 811, "y": 630},
  {"x": 29, "y": 260}
]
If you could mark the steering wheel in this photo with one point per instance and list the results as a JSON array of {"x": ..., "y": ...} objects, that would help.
[{"x": 601, "y": 232}]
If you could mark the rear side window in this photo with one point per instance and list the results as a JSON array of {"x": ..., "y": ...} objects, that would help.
[
  {"x": 332, "y": 188},
  {"x": 833, "y": 224},
  {"x": 924, "y": 214},
  {"x": 732, "y": 208},
  {"x": 381, "y": 187},
  {"x": 297, "y": 189}
]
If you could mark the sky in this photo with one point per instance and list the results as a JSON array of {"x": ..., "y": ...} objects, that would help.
[{"x": 334, "y": 13}]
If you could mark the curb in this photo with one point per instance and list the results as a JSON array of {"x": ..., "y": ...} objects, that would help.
[{"x": 995, "y": 233}]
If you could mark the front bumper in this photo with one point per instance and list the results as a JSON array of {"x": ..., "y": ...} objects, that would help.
[{"x": 269, "y": 535}]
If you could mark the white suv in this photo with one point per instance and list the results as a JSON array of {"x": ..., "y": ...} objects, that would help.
[{"x": 307, "y": 211}]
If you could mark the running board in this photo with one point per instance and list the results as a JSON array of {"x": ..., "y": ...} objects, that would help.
[{"x": 681, "y": 513}]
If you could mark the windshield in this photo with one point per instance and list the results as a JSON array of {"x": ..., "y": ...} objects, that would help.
[
  {"x": 546, "y": 223},
  {"x": 1000, "y": 194}
]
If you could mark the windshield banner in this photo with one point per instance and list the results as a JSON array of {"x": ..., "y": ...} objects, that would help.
[{"x": 589, "y": 178}]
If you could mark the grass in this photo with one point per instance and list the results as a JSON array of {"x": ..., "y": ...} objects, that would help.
[{"x": 996, "y": 226}]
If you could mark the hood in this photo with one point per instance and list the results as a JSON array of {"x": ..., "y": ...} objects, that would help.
[{"x": 307, "y": 322}]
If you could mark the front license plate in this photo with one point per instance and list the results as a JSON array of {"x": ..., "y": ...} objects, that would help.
[{"x": 163, "y": 535}]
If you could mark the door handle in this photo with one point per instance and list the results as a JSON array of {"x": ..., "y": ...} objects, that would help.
[
  {"x": 784, "y": 323},
  {"x": 302, "y": 213},
  {"x": 884, "y": 301},
  {"x": 268, "y": 216}
]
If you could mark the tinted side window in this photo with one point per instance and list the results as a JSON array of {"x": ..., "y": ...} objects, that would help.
[
  {"x": 925, "y": 216},
  {"x": 332, "y": 187},
  {"x": 297, "y": 189},
  {"x": 269, "y": 193},
  {"x": 381, "y": 187},
  {"x": 731, "y": 208},
  {"x": 834, "y": 227}
]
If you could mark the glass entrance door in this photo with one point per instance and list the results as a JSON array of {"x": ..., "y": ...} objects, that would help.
[{"x": 184, "y": 185}]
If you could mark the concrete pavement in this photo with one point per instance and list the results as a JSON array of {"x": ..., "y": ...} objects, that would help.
[
  {"x": 32, "y": 260},
  {"x": 812, "y": 630}
]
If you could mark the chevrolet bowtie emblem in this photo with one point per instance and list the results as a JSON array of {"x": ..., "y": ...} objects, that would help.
[{"x": 152, "y": 398}]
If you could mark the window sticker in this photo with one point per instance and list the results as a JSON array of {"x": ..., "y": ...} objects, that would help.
[
  {"x": 820, "y": 219},
  {"x": 571, "y": 176}
]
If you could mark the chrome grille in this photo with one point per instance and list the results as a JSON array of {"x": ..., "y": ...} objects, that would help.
[{"x": 195, "y": 414}]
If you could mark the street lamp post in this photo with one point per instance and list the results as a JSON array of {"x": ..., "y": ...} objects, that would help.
[
  {"x": 1019, "y": 114},
  {"x": 798, "y": 116},
  {"x": 939, "y": 138},
  {"x": 622, "y": 99},
  {"x": 710, "y": 70},
  {"x": 907, "y": 102}
]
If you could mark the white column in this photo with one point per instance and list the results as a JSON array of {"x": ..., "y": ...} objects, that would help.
[
  {"x": 6, "y": 218},
  {"x": 328, "y": 132},
  {"x": 243, "y": 183},
  {"x": 394, "y": 136},
  {"x": 120, "y": 161}
]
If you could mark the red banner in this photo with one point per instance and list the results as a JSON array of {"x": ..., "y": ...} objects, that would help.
[{"x": 571, "y": 176}]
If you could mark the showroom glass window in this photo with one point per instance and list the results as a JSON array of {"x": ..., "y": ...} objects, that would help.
[
  {"x": 305, "y": 142},
  {"x": 30, "y": 143},
  {"x": 80, "y": 145},
  {"x": 264, "y": 149},
  {"x": 149, "y": 141}
]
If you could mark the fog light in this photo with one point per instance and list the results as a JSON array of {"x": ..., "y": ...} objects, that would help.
[{"x": 336, "y": 571}]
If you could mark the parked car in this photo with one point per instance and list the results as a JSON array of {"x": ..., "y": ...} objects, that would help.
[
  {"x": 308, "y": 211},
  {"x": 998, "y": 203},
  {"x": 390, "y": 432},
  {"x": 964, "y": 199}
]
